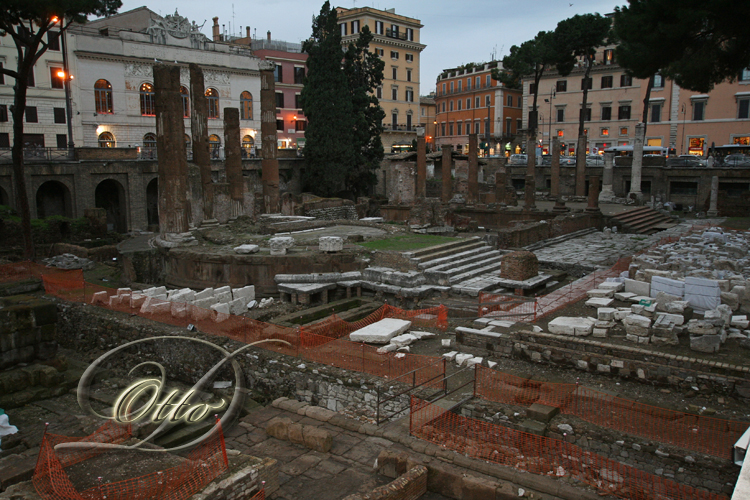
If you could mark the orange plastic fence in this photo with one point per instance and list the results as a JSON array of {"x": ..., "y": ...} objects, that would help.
[
  {"x": 542, "y": 455},
  {"x": 712, "y": 436},
  {"x": 261, "y": 495},
  {"x": 206, "y": 462}
]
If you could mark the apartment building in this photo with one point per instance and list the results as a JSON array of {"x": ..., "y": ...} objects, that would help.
[
  {"x": 427, "y": 119},
  {"x": 689, "y": 122},
  {"x": 396, "y": 41},
  {"x": 469, "y": 101}
]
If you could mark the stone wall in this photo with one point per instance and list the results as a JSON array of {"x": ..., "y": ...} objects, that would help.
[
  {"x": 27, "y": 330},
  {"x": 527, "y": 234},
  {"x": 106, "y": 153},
  {"x": 409, "y": 486},
  {"x": 633, "y": 363},
  {"x": 519, "y": 266},
  {"x": 330, "y": 209},
  {"x": 244, "y": 481}
]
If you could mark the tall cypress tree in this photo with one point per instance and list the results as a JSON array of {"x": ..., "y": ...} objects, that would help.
[
  {"x": 328, "y": 107},
  {"x": 364, "y": 71}
]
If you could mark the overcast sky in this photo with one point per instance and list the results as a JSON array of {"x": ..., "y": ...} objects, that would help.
[{"x": 455, "y": 31}]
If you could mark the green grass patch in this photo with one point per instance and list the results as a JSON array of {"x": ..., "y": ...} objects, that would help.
[
  {"x": 737, "y": 222},
  {"x": 407, "y": 242}
]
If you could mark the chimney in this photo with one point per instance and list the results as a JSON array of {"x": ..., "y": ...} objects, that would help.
[
  {"x": 268, "y": 35},
  {"x": 247, "y": 31},
  {"x": 215, "y": 28}
]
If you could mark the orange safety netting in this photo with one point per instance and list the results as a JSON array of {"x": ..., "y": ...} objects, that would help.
[
  {"x": 542, "y": 455},
  {"x": 261, "y": 495},
  {"x": 712, "y": 436},
  {"x": 205, "y": 463}
]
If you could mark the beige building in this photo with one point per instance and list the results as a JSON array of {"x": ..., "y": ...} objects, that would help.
[
  {"x": 681, "y": 119},
  {"x": 396, "y": 41}
]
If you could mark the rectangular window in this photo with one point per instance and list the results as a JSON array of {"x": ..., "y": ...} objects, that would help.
[
  {"x": 3, "y": 112},
  {"x": 394, "y": 30},
  {"x": 562, "y": 85},
  {"x": 468, "y": 103},
  {"x": 408, "y": 121},
  {"x": 343, "y": 29},
  {"x": 278, "y": 75},
  {"x": 443, "y": 89},
  {"x": 31, "y": 116},
  {"x": 443, "y": 107},
  {"x": 279, "y": 99},
  {"x": 62, "y": 141},
  {"x": 623, "y": 112},
  {"x": 487, "y": 80},
  {"x": 606, "y": 113},
  {"x": 743, "y": 108},
  {"x": 604, "y": 132},
  {"x": 300, "y": 125},
  {"x": 658, "y": 81},
  {"x": 560, "y": 115},
  {"x": 476, "y": 127},
  {"x": 468, "y": 84},
  {"x": 624, "y": 131},
  {"x": 459, "y": 85},
  {"x": 380, "y": 52},
  {"x": 699, "y": 110},
  {"x": 476, "y": 102},
  {"x": 607, "y": 82},
  {"x": 409, "y": 57},
  {"x": 442, "y": 128},
  {"x": 510, "y": 101},
  {"x": 394, "y": 54},
  {"x": 408, "y": 75},
  {"x": 519, "y": 124},
  {"x": 508, "y": 126},
  {"x": 586, "y": 114},
  {"x": 451, "y": 87},
  {"x": 394, "y": 121},
  {"x": 409, "y": 95},
  {"x": 477, "y": 82},
  {"x": 297, "y": 101},
  {"x": 459, "y": 128},
  {"x": 626, "y": 81},
  {"x": 655, "y": 113},
  {"x": 379, "y": 92},
  {"x": 532, "y": 88},
  {"x": 450, "y": 128},
  {"x": 279, "y": 124},
  {"x": 5, "y": 140},
  {"x": 59, "y": 114},
  {"x": 394, "y": 93},
  {"x": 355, "y": 27},
  {"x": 378, "y": 27},
  {"x": 2, "y": 76},
  {"x": 682, "y": 187},
  {"x": 394, "y": 73},
  {"x": 450, "y": 106},
  {"x": 609, "y": 56},
  {"x": 410, "y": 34},
  {"x": 56, "y": 81},
  {"x": 53, "y": 40},
  {"x": 487, "y": 100},
  {"x": 586, "y": 83},
  {"x": 299, "y": 75}
]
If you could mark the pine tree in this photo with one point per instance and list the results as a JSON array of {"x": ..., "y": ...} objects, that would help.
[
  {"x": 327, "y": 104},
  {"x": 364, "y": 71}
]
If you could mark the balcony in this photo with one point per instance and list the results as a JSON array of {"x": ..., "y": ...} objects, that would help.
[
  {"x": 395, "y": 34},
  {"x": 401, "y": 127},
  {"x": 39, "y": 154}
]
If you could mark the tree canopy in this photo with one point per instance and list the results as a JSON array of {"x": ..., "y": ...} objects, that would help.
[
  {"x": 27, "y": 23},
  {"x": 695, "y": 43}
]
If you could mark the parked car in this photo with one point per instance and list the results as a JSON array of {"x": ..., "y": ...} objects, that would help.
[
  {"x": 518, "y": 159},
  {"x": 737, "y": 160},
  {"x": 594, "y": 160},
  {"x": 700, "y": 160},
  {"x": 684, "y": 161}
]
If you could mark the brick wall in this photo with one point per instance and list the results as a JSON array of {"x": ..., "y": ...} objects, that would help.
[
  {"x": 526, "y": 234},
  {"x": 409, "y": 486},
  {"x": 519, "y": 266},
  {"x": 106, "y": 153},
  {"x": 243, "y": 482}
]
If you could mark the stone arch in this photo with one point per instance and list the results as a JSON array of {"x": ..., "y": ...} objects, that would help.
[
  {"x": 4, "y": 198},
  {"x": 152, "y": 202},
  {"x": 53, "y": 198},
  {"x": 110, "y": 195}
]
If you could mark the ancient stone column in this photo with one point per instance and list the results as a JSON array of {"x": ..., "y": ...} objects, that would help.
[
  {"x": 446, "y": 166},
  {"x": 581, "y": 165},
  {"x": 608, "y": 194},
  {"x": 421, "y": 168},
  {"x": 473, "y": 183},
  {"x": 174, "y": 208},
  {"x": 233, "y": 162},
  {"x": 635, "y": 170},
  {"x": 199, "y": 139},
  {"x": 500, "y": 189},
  {"x": 530, "y": 192},
  {"x": 593, "y": 195},
  {"x": 531, "y": 155},
  {"x": 269, "y": 164},
  {"x": 713, "y": 209},
  {"x": 555, "y": 177}
]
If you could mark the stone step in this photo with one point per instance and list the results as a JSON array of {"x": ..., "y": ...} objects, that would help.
[
  {"x": 560, "y": 239},
  {"x": 459, "y": 258},
  {"x": 473, "y": 286},
  {"x": 643, "y": 220},
  {"x": 491, "y": 266},
  {"x": 445, "y": 276},
  {"x": 445, "y": 250}
]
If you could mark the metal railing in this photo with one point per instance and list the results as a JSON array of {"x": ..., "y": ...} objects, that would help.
[{"x": 39, "y": 154}]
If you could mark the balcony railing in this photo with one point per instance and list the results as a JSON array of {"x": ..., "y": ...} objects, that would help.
[
  {"x": 400, "y": 126},
  {"x": 395, "y": 34},
  {"x": 39, "y": 154}
]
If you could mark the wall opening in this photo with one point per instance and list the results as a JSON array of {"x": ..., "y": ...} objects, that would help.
[
  {"x": 152, "y": 202},
  {"x": 110, "y": 195},
  {"x": 53, "y": 198}
]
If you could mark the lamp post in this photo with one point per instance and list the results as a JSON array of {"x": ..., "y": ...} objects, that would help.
[
  {"x": 683, "y": 129},
  {"x": 552, "y": 95},
  {"x": 66, "y": 84},
  {"x": 487, "y": 130}
]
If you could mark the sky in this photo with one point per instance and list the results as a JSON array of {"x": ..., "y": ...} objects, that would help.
[{"x": 455, "y": 32}]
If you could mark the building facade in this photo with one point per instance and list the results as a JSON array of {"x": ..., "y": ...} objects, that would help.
[
  {"x": 469, "y": 101},
  {"x": 687, "y": 121},
  {"x": 112, "y": 96},
  {"x": 396, "y": 41},
  {"x": 427, "y": 119}
]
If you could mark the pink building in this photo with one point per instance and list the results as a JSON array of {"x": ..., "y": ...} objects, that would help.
[{"x": 688, "y": 121}]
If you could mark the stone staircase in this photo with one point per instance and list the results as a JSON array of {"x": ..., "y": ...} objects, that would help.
[{"x": 643, "y": 220}]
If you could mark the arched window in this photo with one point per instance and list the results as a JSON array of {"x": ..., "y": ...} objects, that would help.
[
  {"x": 148, "y": 102},
  {"x": 248, "y": 149},
  {"x": 106, "y": 140},
  {"x": 214, "y": 144},
  {"x": 188, "y": 142},
  {"x": 246, "y": 106},
  {"x": 212, "y": 96},
  {"x": 103, "y": 97},
  {"x": 185, "y": 101},
  {"x": 149, "y": 140}
]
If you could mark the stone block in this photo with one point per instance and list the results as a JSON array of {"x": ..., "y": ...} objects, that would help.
[
  {"x": 100, "y": 298},
  {"x": 179, "y": 309},
  {"x": 153, "y": 305},
  {"x": 317, "y": 438},
  {"x": 237, "y": 306},
  {"x": 740, "y": 322},
  {"x": 462, "y": 358},
  {"x": 576, "y": 326},
  {"x": 137, "y": 300},
  {"x": 599, "y": 302},
  {"x": 637, "y": 325},
  {"x": 404, "y": 340},
  {"x": 612, "y": 285},
  {"x": 450, "y": 356},
  {"x": 278, "y": 427},
  {"x": 330, "y": 244},
  {"x": 730, "y": 299},
  {"x": 474, "y": 361},
  {"x": 624, "y": 296},
  {"x": 380, "y": 332},
  {"x": 246, "y": 292},
  {"x": 637, "y": 287},
  {"x": 677, "y": 307},
  {"x": 702, "y": 327},
  {"x": 294, "y": 433},
  {"x": 534, "y": 427},
  {"x": 205, "y": 303},
  {"x": 183, "y": 296},
  {"x": 677, "y": 319},
  {"x": 600, "y": 293},
  {"x": 663, "y": 299},
  {"x": 204, "y": 294},
  {"x": 280, "y": 244},
  {"x": 114, "y": 301},
  {"x": 223, "y": 297},
  {"x": 154, "y": 291},
  {"x": 606, "y": 313},
  {"x": 705, "y": 343},
  {"x": 200, "y": 313},
  {"x": 542, "y": 413},
  {"x": 246, "y": 249},
  {"x": 622, "y": 313},
  {"x": 121, "y": 291},
  {"x": 223, "y": 289},
  {"x": 221, "y": 312}
]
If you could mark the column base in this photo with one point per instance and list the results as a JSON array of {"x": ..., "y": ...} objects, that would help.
[
  {"x": 636, "y": 196},
  {"x": 174, "y": 240},
  {"x": 592, "y": 210},
  {"x": 712, "y": 213},
  {"x": 209, "y": 223},
  {"x": 560, "y": 207}
]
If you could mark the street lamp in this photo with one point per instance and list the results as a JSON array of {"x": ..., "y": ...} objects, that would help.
[
  {"x": 552, "y": 95},
  {"x": 66, "y": 81}
]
